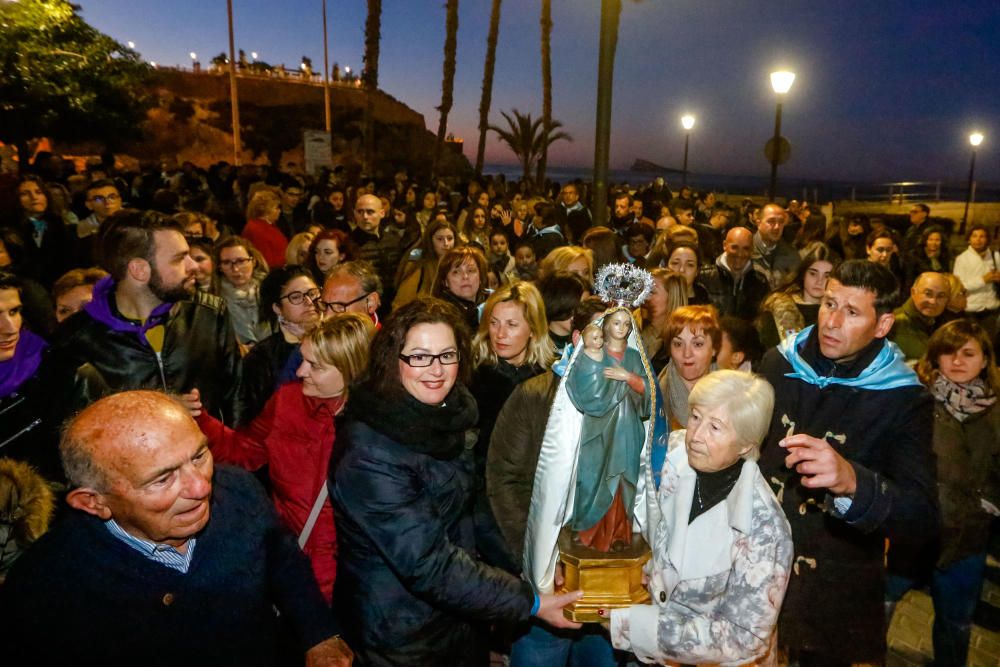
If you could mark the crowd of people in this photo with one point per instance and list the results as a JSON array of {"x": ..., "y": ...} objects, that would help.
[{"x": 381, "y": 359}]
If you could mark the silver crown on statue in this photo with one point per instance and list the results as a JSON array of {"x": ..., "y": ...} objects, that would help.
[{"x": 623, "y": 284}]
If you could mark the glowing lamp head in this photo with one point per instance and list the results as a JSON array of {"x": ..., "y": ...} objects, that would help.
[
  {"x": 976, "y": 138},
  {"x": 687, "y": 121},
  {"x": 782, "y": 82},
  {"x": 253, "y": 54},
  {"x": 131, "y": 45},
  {"x": 194, "y": 56}
]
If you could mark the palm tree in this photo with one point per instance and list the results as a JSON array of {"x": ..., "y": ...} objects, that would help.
[
  {"x": 546, "y": 23},
  {"x": 527, "y": 139},
  {"x": 448, "y": 81},
  {"x": 373, "y": 35},
  {"x": 486, "y": 99}
]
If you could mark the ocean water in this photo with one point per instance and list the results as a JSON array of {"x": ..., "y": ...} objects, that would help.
[{"x": 813, "y": 190}]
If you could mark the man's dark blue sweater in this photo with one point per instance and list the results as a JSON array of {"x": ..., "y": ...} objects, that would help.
[{"x": 81, "y": 596}]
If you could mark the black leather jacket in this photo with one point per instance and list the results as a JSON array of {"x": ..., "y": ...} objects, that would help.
[
  {"x": 199, "y": 351},
  {"x": 31, "y": 417}
]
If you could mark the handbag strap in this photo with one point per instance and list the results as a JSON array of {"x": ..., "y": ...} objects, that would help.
[{"x": 317, "y": 507}]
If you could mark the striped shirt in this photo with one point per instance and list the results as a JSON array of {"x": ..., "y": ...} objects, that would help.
[{"x": 164, "y": 554}]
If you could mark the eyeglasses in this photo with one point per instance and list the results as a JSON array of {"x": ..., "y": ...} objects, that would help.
[
  {"x": 296, "y": 298},
  {"x": 235, "y": 263},
  {"x": 422, "y": 360},
  {"x": 340, "y": 307},
  {"x": 102, "y": 199}
]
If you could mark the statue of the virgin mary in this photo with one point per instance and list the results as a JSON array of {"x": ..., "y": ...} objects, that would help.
[{"x": 593, "y": 470}]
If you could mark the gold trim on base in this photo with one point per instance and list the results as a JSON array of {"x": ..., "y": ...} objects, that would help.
[{"x": 608, "y": 580}]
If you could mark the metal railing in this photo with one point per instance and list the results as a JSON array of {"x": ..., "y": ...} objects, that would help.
[{"x": 278, "y": 72}]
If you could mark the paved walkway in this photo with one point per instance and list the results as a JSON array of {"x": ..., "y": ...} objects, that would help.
[{"x": 910, "y": 633}]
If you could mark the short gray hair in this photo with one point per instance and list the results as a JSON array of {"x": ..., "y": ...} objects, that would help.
[
  {"x": 78, "y": 462},
  {"x": 748, "y": 398},
  {"x": 362, "y": 271}
]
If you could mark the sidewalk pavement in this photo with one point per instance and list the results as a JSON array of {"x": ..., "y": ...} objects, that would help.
[{"x": 910, "y": 633}]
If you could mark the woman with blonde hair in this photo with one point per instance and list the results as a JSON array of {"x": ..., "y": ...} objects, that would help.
[
  {"x": 669, "y": 293},
  {"x": 960, "y": 370},
  {"x": 569, "y": 258},
  {"x": 263, "y": 213},
  {"x": 297, "y": 252},
  {"x": 294, "y": 435},
  {"x": 511, "y": 346}
]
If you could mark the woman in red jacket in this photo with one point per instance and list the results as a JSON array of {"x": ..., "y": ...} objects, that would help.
[
  {"x": 263, "y": 213},
  {"x": 294, "y": 436}
]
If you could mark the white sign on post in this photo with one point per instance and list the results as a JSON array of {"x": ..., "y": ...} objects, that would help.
[{"x": 318, "y": 152}]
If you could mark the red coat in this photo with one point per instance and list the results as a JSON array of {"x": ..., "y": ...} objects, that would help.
[
  {"x": 294, "y": 437},
  {"x": 269, "y": 240}
]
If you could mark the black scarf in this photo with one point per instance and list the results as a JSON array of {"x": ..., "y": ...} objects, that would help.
[
  {"x": 711, "y": 488},
  {"x": 435, "y": 430}
]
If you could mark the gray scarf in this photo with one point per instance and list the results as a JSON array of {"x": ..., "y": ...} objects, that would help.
[{"x": 673, "y": 387}]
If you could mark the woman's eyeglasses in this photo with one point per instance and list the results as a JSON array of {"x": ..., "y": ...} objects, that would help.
[
  {"x": 296, "y": 298},
  {"x": 423, "y": 360}
]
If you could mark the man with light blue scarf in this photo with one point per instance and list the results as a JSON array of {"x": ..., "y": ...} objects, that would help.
[{"x": 849, "y": 457}]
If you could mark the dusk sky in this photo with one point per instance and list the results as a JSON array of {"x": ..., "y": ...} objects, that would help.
[{"x": 885, "y": 90}]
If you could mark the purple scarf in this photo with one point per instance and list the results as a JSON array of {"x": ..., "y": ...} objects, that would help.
[
  {"x": 102, "y": 310},
  {"x": 27, "y": 356}
]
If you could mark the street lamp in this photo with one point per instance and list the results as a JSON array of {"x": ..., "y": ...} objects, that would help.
[
  {"x": 253, "y": 55},
  {"x": 687, "y": 122},
  {"x": 326, "y": 73},
  {"x": 975, "y": 139},
  {"x": 131, "y": 45},
  {"x": 781, "y": 82}
]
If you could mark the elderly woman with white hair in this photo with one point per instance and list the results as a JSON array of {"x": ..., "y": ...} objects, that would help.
[{"x": 722, "y": 548}]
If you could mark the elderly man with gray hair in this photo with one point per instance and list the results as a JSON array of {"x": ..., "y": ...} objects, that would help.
[{"x": 164, "y": 558}]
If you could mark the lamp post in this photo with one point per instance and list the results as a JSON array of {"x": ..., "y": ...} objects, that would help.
[
  {"x": 781, "y": 82},
  {"x": 234, "y": 96},
  {"x": 610, "y": 17},
  {"x": 687, "y": 122},
  {"x": 326, "y": 73},
  {"x": 975, "y": 139}
]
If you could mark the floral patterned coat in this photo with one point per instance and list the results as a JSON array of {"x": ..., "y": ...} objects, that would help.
[{"x": 716, "y": 584}]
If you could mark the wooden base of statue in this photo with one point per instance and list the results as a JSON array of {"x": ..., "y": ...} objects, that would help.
[{"x": 608, "y": 580}]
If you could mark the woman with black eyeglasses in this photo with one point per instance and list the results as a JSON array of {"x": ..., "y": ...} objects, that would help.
[
  {"x": 240, "y": 269},
  {"x": 411, "y": 589},
  {"x": 288, "y": 301}
]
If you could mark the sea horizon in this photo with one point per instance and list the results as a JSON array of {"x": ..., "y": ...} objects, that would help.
[{"x": 810, "y": 189}]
